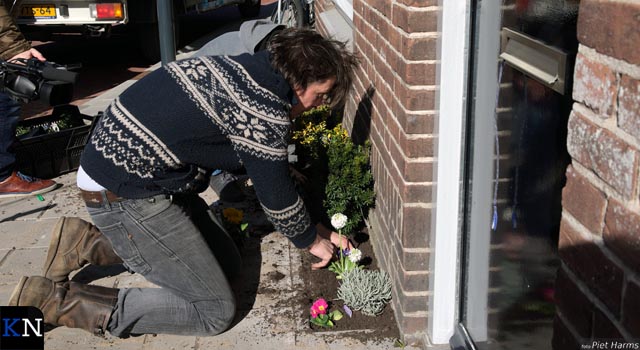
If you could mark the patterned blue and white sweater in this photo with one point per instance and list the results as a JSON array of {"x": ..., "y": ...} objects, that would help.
[{"x": 211, "y": 112}]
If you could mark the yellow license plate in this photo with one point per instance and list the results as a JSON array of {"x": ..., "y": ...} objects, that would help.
[{"x": 39, "y": 11}]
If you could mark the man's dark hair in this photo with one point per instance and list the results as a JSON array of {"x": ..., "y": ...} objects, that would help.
[{"x": 304, "y": 57}]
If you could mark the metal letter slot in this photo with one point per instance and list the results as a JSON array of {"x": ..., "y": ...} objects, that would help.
[{"x": 534, "y": 58}]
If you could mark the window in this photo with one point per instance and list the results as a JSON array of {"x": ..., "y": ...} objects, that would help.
[{"x": 346, "y": 7}]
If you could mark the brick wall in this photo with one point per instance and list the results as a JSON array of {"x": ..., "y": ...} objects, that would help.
[
  {"x": 598, "y": 286},
  {"x": 393, "y": 105}
]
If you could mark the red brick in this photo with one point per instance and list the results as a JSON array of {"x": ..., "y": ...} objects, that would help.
[
  {"x": 416, "y": 225},
  {"x": 394, "y": 132},
  {"x": 595, "y": 85},
  {"x": 412, "y": 303},
  {"x": 414, "y": 123},
  {"x": 585, "y": 202},
  {"x": 384, "y": 6},
  {"x": 586, "y": 259},
  {"x": 419, "y": 3},
  {"x": 417, "y": 147},
  {"x": 416, "y": 193},
  {"x": 394, "y": 38},
  {"x": 380, "y": 26},
  {"x": 622, "y": 233},
  {"x": 415, "y": 261},
  {"x": 412, "y": 20},
  {"x": 411, "y": 324},
  {"x": 417, "y": 49},
  {"x": 603, "y": 327},
  {"x": 412, "y": 281},
  {"x": 416, "y": 73},
  {"x": 389, "y": 54},
  {"x": 418, "y": 171},
  {"x": 415, "y": 99},
  {"x": 631, "y": 307},
  {"x": 629, "y": 105},
  {"x": 611, "y": 27},
  {"x": 600, "y": 150},
  {"x": 573, "y": 304},
  {"x": 563, "y": 339}
]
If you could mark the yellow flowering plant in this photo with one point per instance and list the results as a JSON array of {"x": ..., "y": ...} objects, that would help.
[
  {"x": 233, "y": 219},
  {"x": 338, "y": 169}
]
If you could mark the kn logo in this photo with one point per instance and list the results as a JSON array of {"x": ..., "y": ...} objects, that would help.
[{"x": 21, "y": 328}]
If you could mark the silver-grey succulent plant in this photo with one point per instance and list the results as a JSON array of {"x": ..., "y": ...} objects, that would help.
[{"x": 365, "y": 290}]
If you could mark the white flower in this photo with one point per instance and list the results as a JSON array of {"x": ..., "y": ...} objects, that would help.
[
  {"x": 338, "y": 220},
  {"x": 355, "y": 255}
]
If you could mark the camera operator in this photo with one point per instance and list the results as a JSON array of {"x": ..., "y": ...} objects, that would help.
[{"x": 13, "y": 183}]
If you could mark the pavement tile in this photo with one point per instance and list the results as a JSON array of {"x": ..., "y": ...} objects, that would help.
[
  {"x": 169, "y": 342},
  {"x": 261, "y": 328},
  {"x": 71, "y": 339},
  {"x": 23, "y": 208},
  {"x": 26, "y": 234},
  {"x": 341, "y": 340},
  {"x": 65, "y": 201},
  {"x": 5, "y": 293},
  {"x": 21, "y": 262}
]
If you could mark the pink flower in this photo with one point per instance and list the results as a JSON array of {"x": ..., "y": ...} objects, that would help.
[{"x": 319, "y": 307}]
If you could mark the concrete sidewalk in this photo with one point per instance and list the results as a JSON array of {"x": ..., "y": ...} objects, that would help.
[{"x": 267, "y": 318}]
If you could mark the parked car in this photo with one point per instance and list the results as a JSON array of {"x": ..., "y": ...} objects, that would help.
[{"x": 95, "y": 18}]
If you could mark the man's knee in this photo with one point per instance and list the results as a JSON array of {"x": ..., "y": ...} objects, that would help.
[{"x": 217, "y": 316}]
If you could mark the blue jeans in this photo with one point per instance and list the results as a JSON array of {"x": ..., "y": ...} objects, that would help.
[
  {"x": 173, "y": 242},
  {"x": 9, "y": 118}
]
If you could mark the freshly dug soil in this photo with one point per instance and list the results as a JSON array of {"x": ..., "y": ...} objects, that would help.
[
  {"x": 317, "y": 283},
  {"x": 323, "y": 284}
]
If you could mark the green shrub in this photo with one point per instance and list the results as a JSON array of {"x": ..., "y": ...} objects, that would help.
[
  {"x": 338, "y": 166},
  {"x": 349, "y": 188}
]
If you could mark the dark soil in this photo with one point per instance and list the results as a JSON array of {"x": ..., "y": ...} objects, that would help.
[
  {"x": 323, "y": 284},
  {"x": 317, "y": 283}
]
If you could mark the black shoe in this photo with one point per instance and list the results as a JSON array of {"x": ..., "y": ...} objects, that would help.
[{"x": 225, "y": 185}]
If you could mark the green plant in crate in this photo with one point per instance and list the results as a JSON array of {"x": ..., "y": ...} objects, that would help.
[{"x": 349, "y": 188}]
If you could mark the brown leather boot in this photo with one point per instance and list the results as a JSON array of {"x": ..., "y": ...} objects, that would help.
[
  {"x": 70, "y": 304},
  {"x": 75, "y": 243}
]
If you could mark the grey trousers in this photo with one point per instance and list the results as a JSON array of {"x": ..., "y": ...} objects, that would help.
[{"x": 173, "y": 242}]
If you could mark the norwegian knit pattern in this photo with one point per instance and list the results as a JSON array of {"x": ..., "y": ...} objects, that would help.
[
  {"x": 246, "y": 113},
  {"x": 254, "y": 119},
  {"x": 121, "y": 138},
  {"x": 290, "y": 220},
  {"x": 241, "y": 107}
]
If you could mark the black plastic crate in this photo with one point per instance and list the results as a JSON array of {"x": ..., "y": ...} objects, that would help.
[{"x": 50, "y": 155}]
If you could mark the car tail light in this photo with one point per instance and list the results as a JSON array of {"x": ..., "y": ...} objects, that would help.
[{"x": 106, "y": 10}]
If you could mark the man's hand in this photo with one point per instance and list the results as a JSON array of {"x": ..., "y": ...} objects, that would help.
[
  {"x": 325, "y": 245},
  {"x": 323, "y": 249},
  {"x": 31, "y": 53},
  {"x": 340, "y": 241},
  {"x": 297, "y": 176}
]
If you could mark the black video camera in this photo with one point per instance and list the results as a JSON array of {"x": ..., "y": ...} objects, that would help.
[{"x": 31, "y": 79}]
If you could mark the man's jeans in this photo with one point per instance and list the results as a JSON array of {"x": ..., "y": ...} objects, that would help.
[
  {"x": 173, "y": 242},
  {"x": 9, "y": 118}
]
